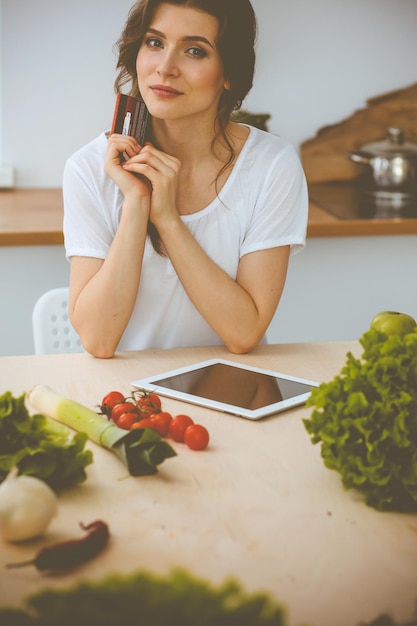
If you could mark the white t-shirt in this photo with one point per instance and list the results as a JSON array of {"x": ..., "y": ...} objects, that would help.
[{"x": 263, "y": 204}]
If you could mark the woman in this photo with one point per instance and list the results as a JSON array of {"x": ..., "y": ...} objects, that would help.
[{"x": 226, "y": 204}]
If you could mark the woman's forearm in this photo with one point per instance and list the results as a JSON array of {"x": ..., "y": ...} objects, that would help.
[
  {"x": 238, "y": 310},
  {"x": 103, "y": 293}
]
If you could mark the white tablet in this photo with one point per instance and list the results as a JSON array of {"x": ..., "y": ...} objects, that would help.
[{"x": 230, "y": 387}]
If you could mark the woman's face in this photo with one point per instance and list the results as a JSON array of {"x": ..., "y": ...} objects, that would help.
[{"x": 179, "y": 70}]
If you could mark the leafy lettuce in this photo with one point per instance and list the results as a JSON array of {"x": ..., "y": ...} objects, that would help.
[
  {"x": 39, "y": 446},
  {"x": 145, "y": 599},
  {"x": 366, "y": 421}
]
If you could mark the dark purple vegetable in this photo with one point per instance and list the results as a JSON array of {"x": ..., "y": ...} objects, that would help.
[{"x": 69, "y": 554}]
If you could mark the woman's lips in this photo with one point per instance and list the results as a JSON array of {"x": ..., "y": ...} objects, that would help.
[{"x": 164, "y": 91}]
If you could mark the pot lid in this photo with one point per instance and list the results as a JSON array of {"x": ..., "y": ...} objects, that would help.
[{"x": 394, "y": 145}]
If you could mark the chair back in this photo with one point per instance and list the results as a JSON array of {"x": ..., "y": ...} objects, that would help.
[{"x": 53, "y": 332}]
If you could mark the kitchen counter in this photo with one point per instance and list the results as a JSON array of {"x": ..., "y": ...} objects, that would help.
[
  {"x": 31, "y": 217},
  {"x": 34, "y": 217},
  {"x": 321, "y": 223},
  {"x": 258, "y": 504}
]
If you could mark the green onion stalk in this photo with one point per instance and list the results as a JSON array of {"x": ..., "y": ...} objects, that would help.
[{"x": 140, "y": 449}]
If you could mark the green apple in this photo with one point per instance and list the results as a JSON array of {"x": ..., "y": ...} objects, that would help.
[{"x": 393, "y": 323}]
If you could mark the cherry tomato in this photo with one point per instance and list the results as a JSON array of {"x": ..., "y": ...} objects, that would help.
[
  {"x": 126, "y": 420},
  {"x": 161, "y": 421},
  {"x": 143, "y": 423},
  {"x": 178, "y": 425},
  {"x": 149, "y": 403},
  {"x": 123, "y": 407},
  {"x": 112, "y": 398},
  {"x": 196, "y": 437},
  {"x": 109, "y": 402}
]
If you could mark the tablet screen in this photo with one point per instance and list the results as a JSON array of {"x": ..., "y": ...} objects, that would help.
[
  {"x": 234, "y": 385},
  {"x": 231, "y": 387}
]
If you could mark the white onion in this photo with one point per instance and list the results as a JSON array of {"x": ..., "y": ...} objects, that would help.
[{"x": 27, "y": 506}]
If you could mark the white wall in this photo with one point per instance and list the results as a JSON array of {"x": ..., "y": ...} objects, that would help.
[
  {"x": 336, "y": 286},
  {"x": 317, "y": 63},
  {"x": 320, "y": 60},
  {"x": 26, "y": 272}
]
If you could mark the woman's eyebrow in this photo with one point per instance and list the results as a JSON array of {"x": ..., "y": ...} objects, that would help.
[
  {"x": 200, "y": 39},
  {"x": 194, "y": 38}
]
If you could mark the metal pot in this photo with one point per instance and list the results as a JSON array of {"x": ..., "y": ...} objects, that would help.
[{"x": 392, "y": 163}]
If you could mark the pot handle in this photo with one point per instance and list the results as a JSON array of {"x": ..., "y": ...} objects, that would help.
[{"x": 360, "y": 157}]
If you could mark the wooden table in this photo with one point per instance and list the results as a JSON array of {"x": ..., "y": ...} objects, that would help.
[{"x": 258, "y": 504}]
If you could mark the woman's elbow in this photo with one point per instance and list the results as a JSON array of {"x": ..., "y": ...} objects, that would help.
[
  {"x": 99, "y": 349},
  {"x": 102, "y": 354},
  {"x": 99, "y": 344},
  {"x": 99, "y": 352},
  {"x": 242, "y": 345}
]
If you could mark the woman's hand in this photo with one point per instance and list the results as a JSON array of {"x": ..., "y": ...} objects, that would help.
[
  {"x": 162, "y": 171},
  {"x": 122, "y": 147}
]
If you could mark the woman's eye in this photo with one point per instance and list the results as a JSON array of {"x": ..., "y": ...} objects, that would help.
[
  {"x": 197, "y": 52},
  {"x": 153, "y": 42}
]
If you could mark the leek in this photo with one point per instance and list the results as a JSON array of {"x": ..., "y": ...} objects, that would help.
[{"x": 141, "y": 449}]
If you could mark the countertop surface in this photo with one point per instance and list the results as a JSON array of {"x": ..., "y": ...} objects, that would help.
[
  {"x": 31, "y": 217},
  {"x": 34, "y": 217},
  {"x": 258, "y": 504}
]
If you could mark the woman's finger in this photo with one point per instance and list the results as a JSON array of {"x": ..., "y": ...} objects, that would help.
[
  {"x": 124, "y": 144},
  {"x": 155, "y": 163}
]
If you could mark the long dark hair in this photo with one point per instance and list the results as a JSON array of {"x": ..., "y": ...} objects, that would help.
[{"x": 235, "y": 43}]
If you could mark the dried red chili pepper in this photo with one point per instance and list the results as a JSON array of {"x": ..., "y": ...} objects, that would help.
[{"x": 68, "y": 554}]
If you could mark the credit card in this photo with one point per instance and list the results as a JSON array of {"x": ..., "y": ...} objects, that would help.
[{"x": 131, "y": 117}]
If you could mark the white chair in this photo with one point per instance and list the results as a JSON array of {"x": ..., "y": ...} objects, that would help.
[{"x": 52, "y": 329}]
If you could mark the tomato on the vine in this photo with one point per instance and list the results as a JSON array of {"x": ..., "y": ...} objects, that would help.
[
  {"x": 161, "y": 421},
  {"x": 196, "y": 437},
  {"x": 178, "y": 425},
  {"x": 126, "y": 420},
  {"x": 143, "y": 409},
  {"x": 149, "y": 403},
  {"x": 110, "y": 400},
  {"x": 124, "y": 407}
]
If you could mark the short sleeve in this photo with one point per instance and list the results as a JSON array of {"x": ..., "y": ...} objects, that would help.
[
  {"x": 280, "y": 210},
  {"x": 89, "y": 215}
]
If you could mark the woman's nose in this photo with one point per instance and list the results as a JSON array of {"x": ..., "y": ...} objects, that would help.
[{"x": 168, "y": 65}]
